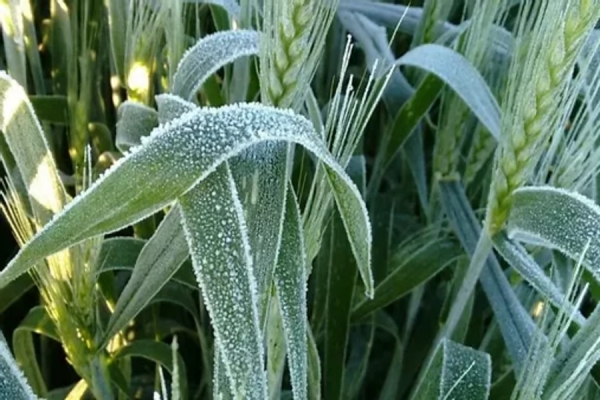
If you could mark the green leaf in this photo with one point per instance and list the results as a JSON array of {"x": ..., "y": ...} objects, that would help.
[
  {"x": 12, "y": 381},
  {"x": 208, "y": 55},
  {"x": 14, "y": 290},
  {"x": 457, "y": 372},
  {"x": 36, "y": 321},
  {"x": 529, "y": 269},
  {"x": 135, "y": 120},
  {"x": 25, "y": 138},
  {"x": 314, "y": 368},
  {"x": 158, "y": 261},
  {"x": 52, "y": 108},
  {"x": 290, "y": 281},
  {"x": 558, "y": 219},
  {"x": 158, "y": 352},
  {"x": 390, "y": 385},
  {"x": 409, "y": 270},
  {"x": 171, "y": 161},
  {"x": 214, "y": 224},
  {"x": 340, "y": 291}
]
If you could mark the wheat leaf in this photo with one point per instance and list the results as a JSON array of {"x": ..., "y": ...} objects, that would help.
[
  {"x": 458, "y": 73},
  {"x": 175, "y": 157},
  {"x": 27, "y": 142},
  {"x": 457, "y": 372},
  {"x": 171, "y": 107},
  {"x": 208, "y": 55},
  {"x": 290, "y": 281},
  {"x": 12, "y": 381},
  {"x": 135, "y": 120},
  {"x": 216, "y": 232},
  {"x": 158, "y": 261},
  {"x": 557, "y": 219}
]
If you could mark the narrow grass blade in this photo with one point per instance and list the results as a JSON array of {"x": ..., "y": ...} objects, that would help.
[
  {"x": 525, "y": 265},
  {"x": 408, "y": 273},
  {"x": 27, "y": 143},
  {"x": 340, "y": 291},
  {"x": 457, "y": 372},
  {"x": 13, "y": 40},
  {"x": 159, "y": 353},
  {"x": 12, "y": 381},
  {"x": 208, "y": 55},
  {"x": 135, "y": 120},
  {"x": 314, "y": 368},
  {"x": 158, "y": 261},
  {"x": 37, "y": 321},
  {"x": 215, "y": 229},
  {"x": 515, "y": 324},
  {"x": 276, "y": 349},
  {"x": 558, "y": 219},
  {"x": 290, "y": 281},
  {"x": 390, "y": 385},
  {"x": 14, "y": 290}
]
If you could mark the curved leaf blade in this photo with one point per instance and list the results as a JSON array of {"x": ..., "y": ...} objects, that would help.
[
  {"x": 557, "y": 219},
  {"x": 174, "y": 158},
  {"x": 208, "y": 55}
]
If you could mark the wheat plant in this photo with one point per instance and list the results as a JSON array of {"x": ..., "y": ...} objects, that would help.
[{"x": 304, "y": 199}]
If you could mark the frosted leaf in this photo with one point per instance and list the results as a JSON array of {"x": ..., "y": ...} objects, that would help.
[
  {"x": 456, "y": 372},
  {"x": 226, "y": 279},
  {"x": 290, "y": 281},
  {"x": 208, "y": 55},
  {"x": 12, "y": 381},
  {"x": 171, "y": 107},
  {"x": 158, "y": 261},
  {"x": 27, "y": 143},
  {"x": 135, "y": 120},
  {"x": 260, "y": 173},
  {"x": 176, "y": 156},
  {"x": 560, "y": 220}
]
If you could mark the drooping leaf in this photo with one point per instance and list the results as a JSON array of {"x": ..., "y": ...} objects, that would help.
[
  {"x": 177, "y": 155},
  {"x": 215, "y": 229},
  {"x": 36, "y": 321},
  {"x": 457, "y": 372},
  {"x": 12, "y": 381},
  {"x": 558, "y": 219},
  {"x": 208, "y": 55},
  {"x": 290, "y": 281}
]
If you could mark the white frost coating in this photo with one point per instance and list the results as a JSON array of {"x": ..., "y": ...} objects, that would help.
[
  {"x": 563, "y": 220},
  {"x": 208, "y": 55},
  {"x": 220, "y": 253},
  {"x": 466, "y": 373},
  {"x": 171, "y": 107},
  {"x": 290, "y": 281},
  {"x": 174, "y": 158},
  {"x": 135, "y": 120},
  {"x": 13, "y": 384}
]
